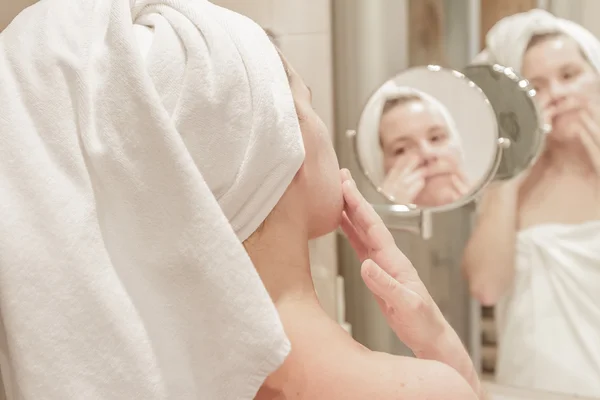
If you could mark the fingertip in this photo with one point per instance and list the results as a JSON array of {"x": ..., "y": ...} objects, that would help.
[
  {"x": 370, "y": 269},
  {"x": 347, "y": 186},
  {"x": 350, "y": 191},
  {"x": 346, "y": 175}
]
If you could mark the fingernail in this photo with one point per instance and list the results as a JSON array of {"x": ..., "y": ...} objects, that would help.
[
  {"x": 372, "y": 269},
  {"x": 350, "y": 183}
]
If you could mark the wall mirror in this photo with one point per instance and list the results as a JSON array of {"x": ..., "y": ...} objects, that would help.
[{"x": 430, "y": 139}]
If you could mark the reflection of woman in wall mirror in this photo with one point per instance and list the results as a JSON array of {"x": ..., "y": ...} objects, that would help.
[
  {"x": 535, "y": 251},
  {"x": 423, "y": 157}
]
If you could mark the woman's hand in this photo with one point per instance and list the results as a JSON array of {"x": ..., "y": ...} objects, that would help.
[
  {"x": 404, "y": 180},
  {"x": 589, "y": 131},
  {"x": 407, "y": 305},
  {"x": 458, "y": 188},
  {"x": 586, "y": 125},
  {"x": 409, "y": 309}
]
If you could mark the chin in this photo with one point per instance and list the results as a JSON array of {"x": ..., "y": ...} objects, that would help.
[
  {"x": 328, "y": 209},
  {"x": 434, "y": 196},
  {"x": 561, "y": 136}
]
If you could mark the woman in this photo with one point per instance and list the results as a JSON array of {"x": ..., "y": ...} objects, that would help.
[
  {"x": 422, "y": 153},
  {"x": 325, "y": 363},
  {"x": 534, "y": 251},
  {"x": 143, "y": 142}
]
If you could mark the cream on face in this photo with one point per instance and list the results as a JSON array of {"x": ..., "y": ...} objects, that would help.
[
  {"x": 558, "y": 70},
  {"x": 417, "y": 128}
]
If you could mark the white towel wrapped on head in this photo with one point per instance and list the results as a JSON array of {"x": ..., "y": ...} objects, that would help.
[
  {"x": 368, "y": 138},
  {"x": 135, "y": 135},
  {"x": 507, "y": 41}
]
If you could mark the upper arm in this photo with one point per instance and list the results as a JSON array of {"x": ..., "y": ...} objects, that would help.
[
  {"x": 412, "y": 378},
  {"x": 488, "y": 258},
  {"x": 327, "y": 364},
  {"x": 318, "y": 374}
]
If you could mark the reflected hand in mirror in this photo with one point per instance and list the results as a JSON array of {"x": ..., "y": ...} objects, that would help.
[
  {"x": 422, "y": 152},
  {"x": 579, "y": 116},
  {"x": 419, "y": 146},
  {"x": 407, "y": 305}
]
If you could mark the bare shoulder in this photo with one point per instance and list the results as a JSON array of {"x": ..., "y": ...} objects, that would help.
[{"x": 327, "y": 364}]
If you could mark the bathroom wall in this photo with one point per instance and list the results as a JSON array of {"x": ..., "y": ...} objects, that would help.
[
  {"x": 303, "y": 32},
  {"x": 584, "y": 12},
  {"x": 10, "y": 8}
]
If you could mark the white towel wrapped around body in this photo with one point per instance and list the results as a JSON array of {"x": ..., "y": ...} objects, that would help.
[
  {"x": 120, "y": 274},
  {"x": 507, "y": 41}
]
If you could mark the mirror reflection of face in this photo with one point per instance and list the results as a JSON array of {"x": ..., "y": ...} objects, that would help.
[
  {"x": 415, "y": 135},
  {"x": 412, "y": 128},
  {"x": 559, "y": 72}
]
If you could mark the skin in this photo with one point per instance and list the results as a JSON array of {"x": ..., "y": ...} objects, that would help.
[
  {"x": 422, "y": 164},
  {"x": 325, "y": 362},
  {"x": 568, "y": 91}
]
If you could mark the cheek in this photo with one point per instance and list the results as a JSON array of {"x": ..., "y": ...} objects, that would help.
[
  {"x": 584, "y": 83},
  {"x": 325, "y": 187},
  {"x": 388, "y": 162},
  {"x": 438, "y": 182},
  {"x": 450, "y": 154},
  {"x": 579, "y": 85},
  {"x": 330, "y": 170}
]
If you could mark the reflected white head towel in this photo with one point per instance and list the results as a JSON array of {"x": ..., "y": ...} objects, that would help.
[
  {"x": 507, "y": 41},
  {"x": 132, "y": 134},
  {"x": 368, "y": 141}
]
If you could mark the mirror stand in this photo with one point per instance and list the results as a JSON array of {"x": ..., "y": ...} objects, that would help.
[{"x": 397, "y": 217}]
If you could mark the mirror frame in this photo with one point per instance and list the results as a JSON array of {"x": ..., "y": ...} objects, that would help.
[
  {"x": 421, "y": 217},
  {"x": 525, "y": 86}
]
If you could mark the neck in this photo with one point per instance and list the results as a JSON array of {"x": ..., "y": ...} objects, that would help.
[
  {"x": 567, "y": 157},
  {"x": 280, "y": 254}
]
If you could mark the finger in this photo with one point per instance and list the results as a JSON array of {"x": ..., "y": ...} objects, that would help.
[
  {"x": 354, "y": 238},
  {"x": 443, "y": 166},
  {"x": 462, "y": 176},
  {"x": 345, "y": 175},
  {"x": 397, "y": 169},
  {"x": 404, "y": 190},
  {"x": 570, "y": 104},
  {"x": 405, "y": 194},
  {"x": 592, "y": 149},
  {"x": 548, "y": 114},
  {"x": 392, "y": 294},
  {"x": 416, "y": 176},
  {"x": 393, "y": 183},
  {"x": 591, "y": 127},
  {"x": 413, "y": 189},
  {"x": 364, "y": 218},
  {"x": 448, "y": 195},
  {"x": 375, "y": 235},
  {"x": 459, "y": 185},
  {"x": 404, "y": 165}
]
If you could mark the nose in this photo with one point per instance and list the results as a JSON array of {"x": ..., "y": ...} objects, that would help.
[
  {"x": 557, "y": 93},
  {"x": 427, "y": 152}
]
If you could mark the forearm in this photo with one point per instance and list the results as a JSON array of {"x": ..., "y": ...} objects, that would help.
[{"x": 489, "y": 256}]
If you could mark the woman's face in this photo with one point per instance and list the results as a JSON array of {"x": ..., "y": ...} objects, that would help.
[
  {"x": 321, "y": 176},
  {"x": 558, "y": 71},
  {"x": 417, "y": 131}
]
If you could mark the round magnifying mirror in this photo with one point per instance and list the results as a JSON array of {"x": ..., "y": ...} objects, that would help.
[
  {"x": 518, "y": 119},
  {"x": 428, "y": 139}
]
